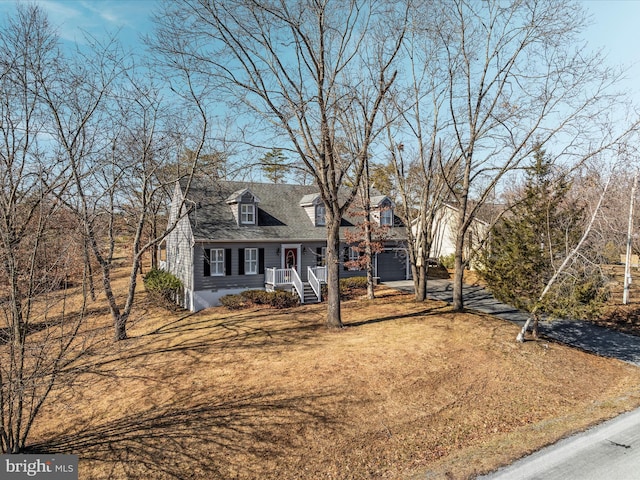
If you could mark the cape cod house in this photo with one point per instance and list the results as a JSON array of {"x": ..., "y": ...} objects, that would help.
[{"x": 242, "y": 235}]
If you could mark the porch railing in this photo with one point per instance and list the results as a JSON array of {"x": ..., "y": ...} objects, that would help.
[
  {"x": 314, "y": 282},
  {"x": 285, "y": 276},
  {"x": 297, "y": 284},
  {"x": 320, "y": 273}
]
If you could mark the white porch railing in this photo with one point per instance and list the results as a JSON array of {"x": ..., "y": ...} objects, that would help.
[
  {"x": 297, "y": 283},
  {"x": 320, "y": 273},
  {"x": 314, "y": 282},
  {"x": 285, "y": 276}
]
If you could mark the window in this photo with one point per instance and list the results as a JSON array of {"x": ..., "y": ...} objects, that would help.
[
  {"x": 248, "y": 213},
  {"x": 386, "y": 217},
  {"x": 354, "y": 256},
  {"x": 250, "y": 261},
  {"x": 321, "y": 213},
  {"x": 217, "y": 261},
  {"x": 321, "y": 256}
]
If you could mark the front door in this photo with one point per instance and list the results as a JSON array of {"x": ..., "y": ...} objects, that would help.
[{"x": 291, "y": 258}]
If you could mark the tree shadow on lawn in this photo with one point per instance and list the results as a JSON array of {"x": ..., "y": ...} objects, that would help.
[
  {"x": 426, "y": 312},
  {"x": 190, "y": 334},
  {"x": 226, "y": 436}
]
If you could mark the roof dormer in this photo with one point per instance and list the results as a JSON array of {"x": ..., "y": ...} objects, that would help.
[
  {"x": 314, "y": 206},
  {"x": 244, "y": 205},
  {"x": 382, "y": 210}
]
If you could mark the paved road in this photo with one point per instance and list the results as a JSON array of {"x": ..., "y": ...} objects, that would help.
[
  {"x": 576, "y": 333},
  {"x": 610, "y": 450}
]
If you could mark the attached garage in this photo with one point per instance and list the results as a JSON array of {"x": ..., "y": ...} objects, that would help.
[{"x": 392, "y": 265}]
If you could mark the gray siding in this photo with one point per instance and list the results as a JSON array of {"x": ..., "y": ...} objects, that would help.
[
  {"x": 178, "y": 243},
  {"x": 231, "y": 279},
  {"x": 272, "y": 258}
]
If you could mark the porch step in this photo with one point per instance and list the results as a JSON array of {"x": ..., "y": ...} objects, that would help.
[{"x": 309, "y": 295}]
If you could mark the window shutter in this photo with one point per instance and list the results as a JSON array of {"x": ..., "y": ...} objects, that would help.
[
  {"x": 261, "y": 261},
  {"x": 227, "y": 261},
  {"x": 345, "y": 258},
  {"x": 241, "y": 261},
  {"x": 207, "y": 262}
]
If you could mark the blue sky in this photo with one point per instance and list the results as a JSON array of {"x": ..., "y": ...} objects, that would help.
[
  {"x": 614, "y": 26},
  {"x": 127, "y": 18},
  {"x": 614, "y": 29}
]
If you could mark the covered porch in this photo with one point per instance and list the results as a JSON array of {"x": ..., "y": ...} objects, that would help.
[{"x": 309, "y": 291}]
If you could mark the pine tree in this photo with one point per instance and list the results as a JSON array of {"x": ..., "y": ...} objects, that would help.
[
  {"x": 274, "y": 165},
  {"x": 527, "y": 245}
]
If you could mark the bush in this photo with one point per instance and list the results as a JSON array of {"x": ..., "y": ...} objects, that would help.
[
  {"x": 257, "y": 297},
  {"x": 163, "y": 287},
  {"x": 234, "y": 302},
  {"x": 277, "y": 299},
  {"x": 352, "y": 282},
  {"x": 448, "y": 261},
  {"x": 282, "y": 299}
]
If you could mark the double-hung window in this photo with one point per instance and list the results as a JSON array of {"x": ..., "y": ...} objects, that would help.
[
  {"x": 248, "y": 213},
  {"x": 386, "y": 217},
  {"x": 354, "y": 256},
  {"x": 217, "y": 261},
  {"x": 321, "y": 213},
  {"x": 250, "y": 261}
]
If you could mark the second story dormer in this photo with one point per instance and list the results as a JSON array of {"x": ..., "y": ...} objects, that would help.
[
  {"x": 244, "y": 206},
  {"x": 315, "y": 208},
  {"x": 382, "y": 210}
]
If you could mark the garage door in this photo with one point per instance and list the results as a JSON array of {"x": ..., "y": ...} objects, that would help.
[{"x": 392, "y": 265}]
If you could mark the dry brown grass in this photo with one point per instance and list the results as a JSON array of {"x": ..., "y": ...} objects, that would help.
[{"x": 406, "y": 389}]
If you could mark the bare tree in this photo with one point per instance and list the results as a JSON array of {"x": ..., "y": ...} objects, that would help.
[
  {"x": 517, "y": 76},
  {"x": 114, "y": 134},
  {"x": 37, "y": 247},
  {"x": 311, "y": 70}
]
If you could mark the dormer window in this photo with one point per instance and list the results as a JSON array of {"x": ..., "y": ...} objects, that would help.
[
  {"x": 314, "y": 206},
  {"x": 386, "y": 217},
  {"x": 382, "y": 210},
  {"x": 244, "y": 205},
  {"x": 321, "y": 215},
  {"x": 248, "y": 213}
]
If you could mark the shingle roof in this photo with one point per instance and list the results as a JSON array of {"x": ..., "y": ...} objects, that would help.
[{"x": 280, "y": 216}]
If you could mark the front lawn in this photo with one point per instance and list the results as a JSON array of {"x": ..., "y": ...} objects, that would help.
[{"x": 404, "y": 390}]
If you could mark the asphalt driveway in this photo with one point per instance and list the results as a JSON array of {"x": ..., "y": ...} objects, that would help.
[
  {"x": 608, "y": 451},
  {"x": 576, "y": 333}
]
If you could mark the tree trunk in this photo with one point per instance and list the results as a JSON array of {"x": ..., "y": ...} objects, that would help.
[
  {"x": 334, "y": 319},
  {"x": 120, "y": 324},
  {"x": 458, "y": 275},
  {"x": 421, "y": 290}
]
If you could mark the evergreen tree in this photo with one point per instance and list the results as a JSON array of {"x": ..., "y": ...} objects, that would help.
[
  {"x": 274, "y": 165},
  {"x": 527, "y": 246}
]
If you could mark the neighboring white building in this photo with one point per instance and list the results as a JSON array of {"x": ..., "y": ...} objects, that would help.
[{"x": 444, "y": 237}]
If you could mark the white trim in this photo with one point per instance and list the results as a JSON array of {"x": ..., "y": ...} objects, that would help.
[
  {"x": 248, "y": 262},
  {"x": 248, "y": 214},
  {"x": 216, "y": 262}
]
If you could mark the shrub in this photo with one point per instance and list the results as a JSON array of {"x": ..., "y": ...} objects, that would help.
[
  {"x": 352, "y": 282},
  {"x": 282, "y": 299},
  {"x": 258, "y": 297},
  {"x": 163, "y": 287},
  {"x": 276, "y": 299},
  {"x": 234, "y": 302},
  {"x": 448, "y": 261}
]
